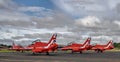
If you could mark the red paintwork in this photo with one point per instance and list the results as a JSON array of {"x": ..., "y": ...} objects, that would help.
[
  {"x": 20, "y": 48},
  {"x": 40, "y": 47},
  {"x": 78, "y": 47},
  {"x": 101, "y": 48}
]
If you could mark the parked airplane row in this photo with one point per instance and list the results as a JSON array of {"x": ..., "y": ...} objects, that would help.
[{"x": 51, "y": 46}]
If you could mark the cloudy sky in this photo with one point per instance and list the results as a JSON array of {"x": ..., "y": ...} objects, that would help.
[{"x": 23, "y": 21}]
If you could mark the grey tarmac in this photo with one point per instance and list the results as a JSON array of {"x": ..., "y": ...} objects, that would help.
[{"x": 60, "y": 57}]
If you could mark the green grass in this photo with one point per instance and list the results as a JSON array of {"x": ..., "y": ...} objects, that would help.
[
  {"x": 6, "y": 50},
  {"x": 69, "y": 51},
  {"x": 115, "y": 49}
]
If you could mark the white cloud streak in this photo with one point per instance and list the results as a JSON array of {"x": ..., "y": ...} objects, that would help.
[
  {"x": 117, "y": 22},
  {"x": 89, "y": 21}
]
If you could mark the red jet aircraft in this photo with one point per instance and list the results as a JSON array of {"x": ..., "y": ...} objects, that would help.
[
  {"x": 20, "y": 48},
  {"x": 41, "y": 47},
  {"x": 74, "y": 47},
  {"x": 101, "y": 48}
]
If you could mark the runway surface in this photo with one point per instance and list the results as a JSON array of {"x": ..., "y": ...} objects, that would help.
[{"x": 61, "y": 57}]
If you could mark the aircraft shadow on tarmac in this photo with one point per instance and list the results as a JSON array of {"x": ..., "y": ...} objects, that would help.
[{"x": 41, "y": 54}]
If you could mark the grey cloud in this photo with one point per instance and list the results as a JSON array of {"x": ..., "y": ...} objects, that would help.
[
  {"x": 16, "y": 23},
  {"x": 45, "y": 36},
  {"x": 36, "y": 11},
  {"x": 18, "y": 37},
  {"x": 6, "y": 41},
  {"x": 83, "y": 8},
  {"x": 118, "y": 8},
  {"x": 56, "y": 20},
  {"x": 8, "y": 5}
]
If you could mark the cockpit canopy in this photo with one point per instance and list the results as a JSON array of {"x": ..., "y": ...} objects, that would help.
[{"x": 38, "y": 40}]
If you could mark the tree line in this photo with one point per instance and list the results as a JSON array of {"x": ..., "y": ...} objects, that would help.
[{"x": 116, "y": 45}]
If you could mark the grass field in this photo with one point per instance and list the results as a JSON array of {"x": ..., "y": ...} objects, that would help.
[
  {"x": 115, "y": 49},
  {"x": 6, "y": 50}
]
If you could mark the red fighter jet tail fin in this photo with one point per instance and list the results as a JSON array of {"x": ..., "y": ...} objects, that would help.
[
  {"x": 87, "y": 42},
  {"x": 52, "y": 40},
  {"x": 110, "y": 44},
  {"x": 13, "y": 45}
]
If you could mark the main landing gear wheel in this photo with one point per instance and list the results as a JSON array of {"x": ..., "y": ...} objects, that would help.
[
  {"x": 99, "y": 51},
  {"x": 33, "y": 53},
  {"x": 80, "y": 52},
  {"x": 47, "y": 53}
]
